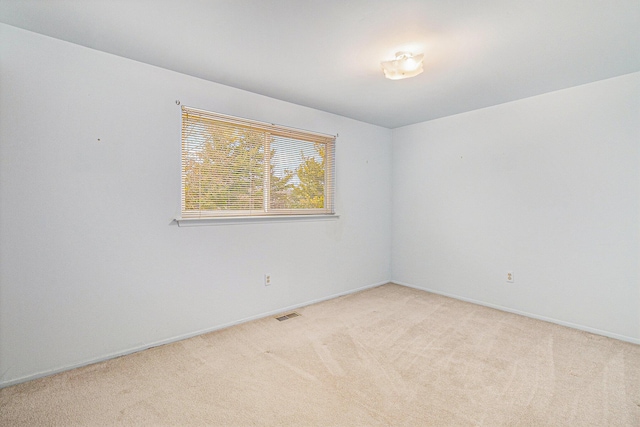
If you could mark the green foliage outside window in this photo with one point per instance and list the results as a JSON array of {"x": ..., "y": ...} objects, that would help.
[{"x": 225, "y": 170}]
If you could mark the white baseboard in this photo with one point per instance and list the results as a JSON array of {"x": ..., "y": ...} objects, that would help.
[
  {"x": 136, "y": 349},
  {"x": 524, "y": 313}
]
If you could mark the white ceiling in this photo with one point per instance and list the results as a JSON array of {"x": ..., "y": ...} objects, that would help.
[{"x": 326, "y": 54}]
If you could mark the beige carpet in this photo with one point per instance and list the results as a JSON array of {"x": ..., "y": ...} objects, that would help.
[{"x": 388, "y": 356}]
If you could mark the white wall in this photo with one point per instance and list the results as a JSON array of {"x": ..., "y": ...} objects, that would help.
[
  {"x": 91, "y": 264},
  {"x": 548, "y": 187}
]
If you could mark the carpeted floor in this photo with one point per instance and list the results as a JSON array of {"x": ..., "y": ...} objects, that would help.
[{"x": 388, "y": 356}]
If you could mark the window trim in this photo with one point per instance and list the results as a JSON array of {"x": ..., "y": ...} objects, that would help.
[
  {"x": 231, "y": 220},
  {"x": 266, "y": 213}
]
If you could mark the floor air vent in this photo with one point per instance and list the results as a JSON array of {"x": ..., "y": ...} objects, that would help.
[{"x": 287, "y": 316}]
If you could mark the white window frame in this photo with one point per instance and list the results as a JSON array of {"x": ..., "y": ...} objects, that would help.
[{"x": 197, "y": 216}]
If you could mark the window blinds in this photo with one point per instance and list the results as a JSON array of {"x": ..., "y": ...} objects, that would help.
[{"x": 238, "y": 167}]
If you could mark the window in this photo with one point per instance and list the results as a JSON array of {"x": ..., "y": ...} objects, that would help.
[{"x": 238, "y": 167}]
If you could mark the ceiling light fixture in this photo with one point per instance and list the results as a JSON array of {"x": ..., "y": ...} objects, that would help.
[{"x": 404, "y": 66}]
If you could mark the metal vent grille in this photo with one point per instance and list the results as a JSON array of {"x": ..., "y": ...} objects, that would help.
[{"x": 287, "y": 316}]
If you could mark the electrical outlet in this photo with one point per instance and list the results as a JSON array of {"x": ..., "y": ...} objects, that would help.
[
  {"x": 267, "y": 279},
  {"x": 510, "y": 276}
]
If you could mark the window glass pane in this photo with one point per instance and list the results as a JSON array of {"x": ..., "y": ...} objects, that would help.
[
  {"x": 297, "y": 174},
  {"x": 223, "y": 168}
]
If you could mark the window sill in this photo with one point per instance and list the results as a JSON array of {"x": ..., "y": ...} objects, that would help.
[{"x": 231, "y": 220}]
